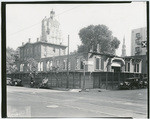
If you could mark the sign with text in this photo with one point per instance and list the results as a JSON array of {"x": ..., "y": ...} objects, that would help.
[{"x": 144, "y": 44}]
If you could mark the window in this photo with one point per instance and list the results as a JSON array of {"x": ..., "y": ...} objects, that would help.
[
  {"x": 98, "y": 63},
  {"x": 50, "y": 65},
  {"x": 21, "y": 67},
  {"x": 47, "y": 66},
  {"x": 138, "y": 35},
  {"x": 28, "y": 67},
  {"x": 81, "y": 64},
  {"x": 136, "y": 67},
  {"x": 138, "y": 42},
  {"x": 137, "y": 49},
  {"x": 102, "y": 64},
  {"x": 40, "y": 66},
  {"x": 77, "y": 63},
  {"x": 64, "y": 64},
  {"x": 128, "y": 67}
]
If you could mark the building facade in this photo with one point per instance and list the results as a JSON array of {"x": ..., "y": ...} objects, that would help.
[
  {"x": 137, "y": 37},
  {"x": 137, "y": 49},
  {"x": 88, "y": 62},
  {"x": 49, "y": 54}
]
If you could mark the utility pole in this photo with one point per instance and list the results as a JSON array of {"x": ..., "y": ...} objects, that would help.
[
  {"x": 83, "y": 76},
  {"x": 68, "y": 66}
]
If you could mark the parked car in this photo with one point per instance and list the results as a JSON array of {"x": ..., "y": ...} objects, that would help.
[
  {"x": 17, "y": 82},
  {"x": 124, "y": 86},
  {"x": 9, "y": 81},
  {"x": 130, "y": 83},
  {"x": 32, "y": 83},
  {"x": 144, "y": 83}
]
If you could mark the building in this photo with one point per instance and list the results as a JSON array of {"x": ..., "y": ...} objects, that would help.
[
  {"x": 137, "y": 37},
  {"x": 89, "y": 62},
  {"x": 137, "y": 49},
  {"x": 49, "y": 53},
  {"x": 50, "y": 30}
]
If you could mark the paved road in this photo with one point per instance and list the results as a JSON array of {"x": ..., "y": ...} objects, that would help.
[{"x": 29, "y": 102}]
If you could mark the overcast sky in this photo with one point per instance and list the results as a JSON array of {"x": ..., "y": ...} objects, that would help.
[{"x": 23, "y": 21}]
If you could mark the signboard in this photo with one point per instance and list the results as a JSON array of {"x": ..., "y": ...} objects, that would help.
[{"x": 143, "y": 44}]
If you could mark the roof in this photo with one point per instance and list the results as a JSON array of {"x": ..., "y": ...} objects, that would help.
[
  {"x": 96, "y": 53},
  {"x": 41, "y": 42},
  {"x": 63, "y": 56}
]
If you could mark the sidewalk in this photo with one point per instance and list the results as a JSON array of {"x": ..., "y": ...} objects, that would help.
[{"x": 80, "y": 90}]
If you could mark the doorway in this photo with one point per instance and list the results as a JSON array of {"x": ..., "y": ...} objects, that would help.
[{"x": 116, "y": 69}]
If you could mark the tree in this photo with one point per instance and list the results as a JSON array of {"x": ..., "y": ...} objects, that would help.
[
  {"x": 32, "y": 65},
  {"x": 11, "y": 59},
  {"x": 99, "y": 34}
]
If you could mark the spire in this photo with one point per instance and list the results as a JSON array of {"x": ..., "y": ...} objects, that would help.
[
  {"x": 123, "y": 48},
  {"x": 52, "y": 14}
]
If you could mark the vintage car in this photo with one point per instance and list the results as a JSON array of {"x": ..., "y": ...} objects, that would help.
[
  {"x": 130, "y": 83},
  {"x": 9, "y": 81},
  {"x": 144, "y": 82},
  {"x": 17, "y": 82}
]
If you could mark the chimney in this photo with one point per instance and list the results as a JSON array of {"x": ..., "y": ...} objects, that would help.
[
  {"x": 29, "y": 40},
  {"x": 37, "y": 39},
  {"x": 22, "y": 43}
]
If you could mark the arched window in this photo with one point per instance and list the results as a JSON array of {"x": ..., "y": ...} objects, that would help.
[
  {"x": 21, "y": 67},
  {"x": 65, "y": 64},
  {"x": 28, "y": 67},
  {"x": 47, "y": 66},
  {"x": 50, "y": 65},
  {"x": 41, "y": 66}
]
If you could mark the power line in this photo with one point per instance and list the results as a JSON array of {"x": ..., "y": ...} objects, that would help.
[
  {"x": 24, "y": 28},
  {"x": 40, "y": 21}
]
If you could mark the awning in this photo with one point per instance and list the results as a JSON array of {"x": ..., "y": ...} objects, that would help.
[
  {"x": 116, "y": 64},
  {"x": 118, "y": 60}
]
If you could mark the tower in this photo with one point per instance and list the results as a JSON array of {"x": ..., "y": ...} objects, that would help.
[
  {"x": 123, "y": 48},
  {"x": 51, "y": 32}
]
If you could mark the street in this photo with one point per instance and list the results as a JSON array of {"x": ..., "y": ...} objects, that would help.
[{"x": 31, "y": 102}]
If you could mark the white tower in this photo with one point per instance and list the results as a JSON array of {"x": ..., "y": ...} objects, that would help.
[{"x": 50, "y": 30}]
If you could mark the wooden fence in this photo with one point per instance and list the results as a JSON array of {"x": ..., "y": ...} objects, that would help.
[
  {"x": 111, "y": 80},
  {"x": 104, "y": 80}
]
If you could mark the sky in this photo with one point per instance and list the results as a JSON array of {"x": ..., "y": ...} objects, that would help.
[{"x": 23, "y": 21}]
